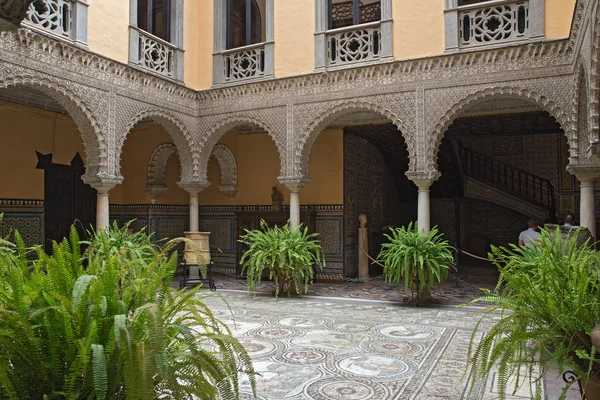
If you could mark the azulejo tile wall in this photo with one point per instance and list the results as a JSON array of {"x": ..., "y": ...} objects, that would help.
[{"x": 25, "y": 216}]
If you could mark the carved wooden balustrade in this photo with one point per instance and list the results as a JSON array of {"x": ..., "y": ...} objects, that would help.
[{"x": 493, "y": 22}]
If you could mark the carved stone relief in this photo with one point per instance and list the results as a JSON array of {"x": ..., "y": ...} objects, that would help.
[{"x": 228, "y": 167}]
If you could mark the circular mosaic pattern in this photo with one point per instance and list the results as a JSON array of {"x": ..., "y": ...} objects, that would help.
[
  {"x": 274, "y": 333},
  {"x": 334, "y": 389},
  {"x": 302, "y": 357},
  {"x": 407, "y": 332},
  {"x": 300, "y": 322},
  {"x": 257, "y": 347},
  {"x": 376, "y": 366},
  {"x": 350, "y": 327},
  {"x": 393, "y": 347}
]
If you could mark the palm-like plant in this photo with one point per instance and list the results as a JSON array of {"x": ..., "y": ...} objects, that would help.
[
  {"x": 112, "y": 330},
  {"x": 416, "y": 257},
  {"x": 549, "y": 299},
  {"x": 288, "y": 253}
]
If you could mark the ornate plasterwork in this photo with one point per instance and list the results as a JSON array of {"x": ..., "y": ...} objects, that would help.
[
  {"x": 92, "y": 133},
  {"x": 594, "y": 83},
  {"x": 156, "y": 182},
  {"x": 271, "y": 121},
  {"x": 562, "y": 114},
  {"x": 174, "y": 126},
  {"x": 228, "y": 167},
  {"x": 315, "y": 117}
]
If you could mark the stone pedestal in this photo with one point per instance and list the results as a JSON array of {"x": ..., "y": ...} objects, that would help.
[
  {"x": 583, "y": 234},
  {"x": 363, "y": 248},
  {"x": 197, "y": 253}
]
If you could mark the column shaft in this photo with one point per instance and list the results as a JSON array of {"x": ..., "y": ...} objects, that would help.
[
  {"x": 423, "y": 215},
  {"x": 294, "y": 209},
  {"x": 102, "y": 210},
  {"x": 194, "y": 226},
  {"x": 587, "y": 206}
]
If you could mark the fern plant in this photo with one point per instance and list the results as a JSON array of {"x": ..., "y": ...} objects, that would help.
[
  {"x": 416, "y": 257},
  {"x": 114, "y": 329},
  {"x": 288, "y": 253},
  {"x": 548, "y": 297}
]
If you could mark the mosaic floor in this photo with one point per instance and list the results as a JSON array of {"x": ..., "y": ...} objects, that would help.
[{"x": 352, "y": 349}]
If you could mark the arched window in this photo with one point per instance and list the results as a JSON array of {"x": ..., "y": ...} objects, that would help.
[
  {"x": 154, "y": 17},
  {"x": 353, "y": 12},
  {"x": 244, "y": 23}
]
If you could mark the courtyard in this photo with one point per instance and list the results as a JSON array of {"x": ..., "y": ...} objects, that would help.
[{"x": 351, "y": 348}]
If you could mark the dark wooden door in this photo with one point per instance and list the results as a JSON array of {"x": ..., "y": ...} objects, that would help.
[{"x": 67, "y": 200}]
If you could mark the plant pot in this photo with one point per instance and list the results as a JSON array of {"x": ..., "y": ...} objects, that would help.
[{"x": 591, "y": 388}]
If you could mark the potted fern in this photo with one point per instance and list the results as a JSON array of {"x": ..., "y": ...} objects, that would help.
[
  {"x": 110, "y": 327},
  {"x": 548, "y": 297},
  {"x": 288, "y": 254},
  {"x": 416, "y": 257}
]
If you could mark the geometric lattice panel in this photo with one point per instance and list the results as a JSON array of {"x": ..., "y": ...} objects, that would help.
[
  {"x": 30, "y": 227},
  {"x": 330, "y": 235}
]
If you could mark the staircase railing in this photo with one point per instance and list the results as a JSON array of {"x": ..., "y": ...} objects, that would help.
[{"x": 509, "y": 179}]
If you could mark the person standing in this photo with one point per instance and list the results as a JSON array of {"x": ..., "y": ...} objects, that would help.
[
  {"x": 569, "y": 221},
  {"x": 530, "y": 235}
]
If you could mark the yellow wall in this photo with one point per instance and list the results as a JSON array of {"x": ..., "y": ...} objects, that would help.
[
  {"x": 25, "y": 130},
  {"x": 294, "y": 37},
  {"x": 258, "y": 168},
  {"x": 198, "y": 43},
  {"x": 326, "y": 169},
  {"x": 559, "y": 15},
  {"x": 419, "y": 29},
  {"x": 137, "y": 151},
  {"x": 108, "y": 28}
]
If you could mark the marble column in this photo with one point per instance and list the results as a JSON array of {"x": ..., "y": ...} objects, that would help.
[
  {"x": 193, "y": 189},
  {"x": 102, "y": 203},
  {"x": 294, "y": 186},
  {"x": 423, "y": 209},
  {"x": 587, "y": 176}
]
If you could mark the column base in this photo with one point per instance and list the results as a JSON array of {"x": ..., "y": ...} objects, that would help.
[{"x": 197, "y": 253}]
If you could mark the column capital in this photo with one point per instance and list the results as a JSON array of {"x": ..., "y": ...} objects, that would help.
[
  {"x": 294, "y": 184},
  {"x": 193, "y": 187},
  {"x": 585, "y": 173},
  {"x": 423, "y": 180},
  {"x": 102, "y": 183},
  {"x": 155, "y": 190}
]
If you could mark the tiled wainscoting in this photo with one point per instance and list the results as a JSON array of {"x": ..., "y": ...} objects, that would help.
[{"x": 170, "y": 221}]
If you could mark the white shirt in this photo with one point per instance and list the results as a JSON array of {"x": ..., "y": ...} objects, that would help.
[{"x": 528, "y": 236}]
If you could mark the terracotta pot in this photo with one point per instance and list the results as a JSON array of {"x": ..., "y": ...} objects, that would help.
[{"x": 591, "y": 388}]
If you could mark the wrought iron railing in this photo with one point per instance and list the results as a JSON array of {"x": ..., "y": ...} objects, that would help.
[
  {"x": 353, "y": 44},
  {"x": 244, "y": 62},
  {"x": 155, "y": 54},
  {"x": 493, "y": 22},
  {"x": 342, "y": 14},
  {"x": 57, "y": 18},
  {"x": 509, "y": 179}
]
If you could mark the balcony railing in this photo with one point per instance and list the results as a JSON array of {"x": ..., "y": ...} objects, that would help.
[
  {"x": 354, "y": 44},
  {"x": 57, "y": 19},
  {"x": 493, "y": 22},
  {"x": 244, "y": 62},
  {"x": 155, "y": 54}
]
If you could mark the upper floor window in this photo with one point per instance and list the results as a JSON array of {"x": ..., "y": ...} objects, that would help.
[
  {"x": 154, "y": 16},
  {"x": 156, "y": 36},
  {"x": 353, "y": 12},
  {"x": 64, "y": 18},
  {"x": 244, "y": 23},
  {"x": 243, "y": 40},
  {"x": 469, "y": 2}
]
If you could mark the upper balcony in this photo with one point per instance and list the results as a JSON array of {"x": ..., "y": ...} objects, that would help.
[
  {"x": 352, "y": 32},
  {"x": 64, "y": 19},
  {"x": 488, "y": 23}
]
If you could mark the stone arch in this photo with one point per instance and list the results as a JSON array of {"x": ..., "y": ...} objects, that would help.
[
  {"x": 178, "y": 133},
  {"x": 316, "y": 127},
  {"x": 228, "y": 167},
  {"x": 526, "y": 95},
  {"x": 229, "y": 123},
  {"x": 157, "y": 168},
  {"x": 94, "y": 140}
]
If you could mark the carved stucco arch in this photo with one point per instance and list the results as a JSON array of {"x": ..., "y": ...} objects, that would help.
[
  {"x": 90, "y": 130},
  {"x": 178, "y": 133},
  {"x": 316, "y": 127},
  {"x": 227, "y": 124},
  {"x": 526, "y": 95},
  {"x": 156, "y": 183},
  {"x": 594, "y": 83},
  {"x": 581, "y": 116}
]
